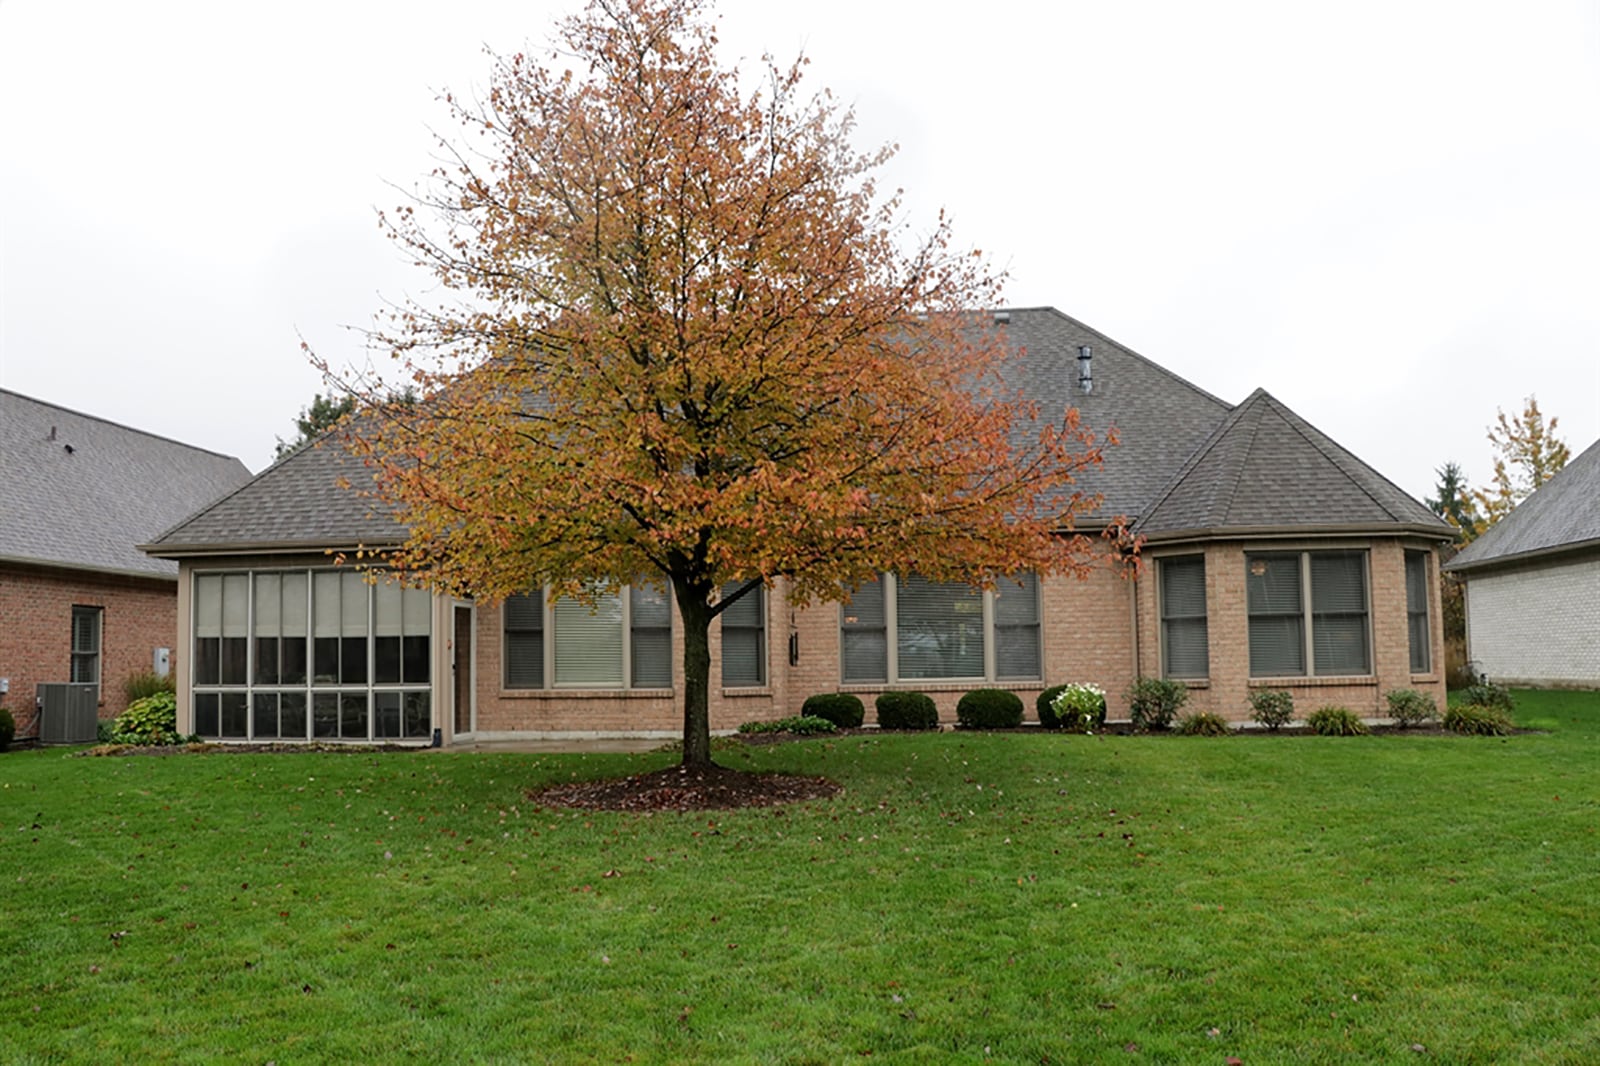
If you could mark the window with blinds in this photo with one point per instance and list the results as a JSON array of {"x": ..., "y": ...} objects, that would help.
[
  {"x": 1184, "y": 643},
  {"x": 863, "y": 635},
  {"x": 1320, "y": 594},
  {"x": 624, "y": 641},
  {"x": 650, "y": 627},
  {"x": 912, "y": 629},
  {"x": 85, "y": 665},
  {"x": 744, "y": 630},
  {"x": 524, "y": 641},
  {"x": 1417, "y": 628},
  {"x": 1016, "y": 628}
]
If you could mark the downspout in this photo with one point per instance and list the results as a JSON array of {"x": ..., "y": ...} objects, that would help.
[{"x": 1133, "y": 615}]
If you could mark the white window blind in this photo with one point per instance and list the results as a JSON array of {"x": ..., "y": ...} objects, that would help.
[
  {"x": 1183, "y": 617},
  {"x": 588, "y": 642}
]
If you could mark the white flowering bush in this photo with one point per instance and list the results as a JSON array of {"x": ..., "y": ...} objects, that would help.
[{"x": 1080, "y": 707}]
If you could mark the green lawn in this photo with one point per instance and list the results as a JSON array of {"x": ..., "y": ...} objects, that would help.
[{"x": 1017, "y": 898}]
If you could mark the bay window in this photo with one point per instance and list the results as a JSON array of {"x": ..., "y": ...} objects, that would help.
[
  {"x": 1418, "y": 631},
  {"x": 1308, "y": 607}
]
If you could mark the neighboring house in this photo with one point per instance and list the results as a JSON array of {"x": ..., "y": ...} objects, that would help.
[
  {"x": 1273, "y": 558},
  {"x": 78, "y": 600},
  {"x": 1533, "y": 585}
]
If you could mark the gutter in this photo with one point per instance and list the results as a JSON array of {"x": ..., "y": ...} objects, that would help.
[
  {"x": 1297, "y": 532},
  {"x": 268, "y": 547},
  {"x": 1456, "y": 566}
]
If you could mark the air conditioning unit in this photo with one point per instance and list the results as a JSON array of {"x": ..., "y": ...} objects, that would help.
[{"x": 68, "y": 712}]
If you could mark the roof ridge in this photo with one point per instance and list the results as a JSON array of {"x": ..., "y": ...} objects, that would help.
[
  {"x": 1196, "y": 457},
  {"x": 118, "y": 425},
  {"x": 278, "y": 464},
  {"x": 1174, "y": 375},
  {"x": 1298, "y": 423}
]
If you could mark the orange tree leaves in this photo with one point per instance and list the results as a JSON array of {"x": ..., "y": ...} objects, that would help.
[{"x": 681, "y": 335}]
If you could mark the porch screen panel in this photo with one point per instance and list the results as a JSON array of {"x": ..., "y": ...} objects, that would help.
[
  {"x": 325, "y": 629},
  {"x": 524, "y": 641},
  {"x": 743, "y": 637},
  {"x": 353, "y": 592},
  {"x": 235, "y": 628},
  {"x": 416, "y": 642},
  {"x": 1016, "y": 628},
  {"x": 588, "y": 643},
  {"x": 1183, "y": 617},
  {"x": 268, "y": 608},
  {"x": 208, "y": 632},
  {"x": 939, "y": 628},
  {"x": 1339, "y": 613},
  {"x": 386, "y": 635},
  {"x": 1277, "y": 618},
  {"x": 650, "y": 618},
  {"x": 1417, "y": 628},
  {"x": 296, "y": 589},
  {"x": 863, "y": 635}
]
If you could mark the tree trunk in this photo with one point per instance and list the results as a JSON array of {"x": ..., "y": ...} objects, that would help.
[{"x": 696, "y": 677}]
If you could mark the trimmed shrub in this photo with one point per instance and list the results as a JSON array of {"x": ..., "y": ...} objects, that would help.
[
  {"x": 1336, "y": 722},
  {"x": 840, "y": 708},
  {"x": 906, "y": 710},
  {"x": 1044, "y": 705},
  {"x": 800, "y": 725},
  {"x": 139, "y": 686},
  {"x": 989, "y": 708},
  {"x": 1488, "y": 695},
  {"x": 1203, "y": 724},
  {"x": 1154, "y": 702},
  {"x": 1408, "y": 707},
  {"x": 152, "y": 720},
  {"x": 1079, "y": 707},
  {"x": 1476, "y": 719},
  {"x": 8, "y": 729},
  {"x": 1273, "y": 708}
]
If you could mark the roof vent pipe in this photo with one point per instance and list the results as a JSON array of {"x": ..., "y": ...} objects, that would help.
[{"x": 1085, "y": 375}]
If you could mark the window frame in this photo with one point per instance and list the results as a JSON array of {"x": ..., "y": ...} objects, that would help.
[
  {"x": 893, "y": 674},
  {"x": 1168, "y": 619},
  {"x": 1414, "y": 613},
  {"x": 79, "y": 656},
  {"x": 547, "y": 647},
  {"x": 1308, "y": 613},
  {"x": 758, "y": 596},
  {"x": 239, "y": 707}
]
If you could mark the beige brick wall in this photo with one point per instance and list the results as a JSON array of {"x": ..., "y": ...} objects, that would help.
[{"x": 1226, "y": 692}]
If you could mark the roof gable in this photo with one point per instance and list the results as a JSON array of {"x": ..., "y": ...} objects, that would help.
[
  {"x": 1563, "y": 513},
  {"x": 306, "y": 500},
  {"x": 1266, "y": 468},
  {"x": 82, "y": 492}
]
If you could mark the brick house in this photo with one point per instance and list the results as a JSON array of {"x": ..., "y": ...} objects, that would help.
[
  {"x": 78, "y": 600},
  {"x": 1274, "y": 558},
  {"x": 1533, "y": 585}
]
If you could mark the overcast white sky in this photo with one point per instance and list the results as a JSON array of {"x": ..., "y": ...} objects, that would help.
[{"x": 1387, "y": 214}]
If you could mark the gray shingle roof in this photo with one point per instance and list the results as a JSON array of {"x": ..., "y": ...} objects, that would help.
[
  {"x": 1266, "y": 468},
  {"x": 82, "y": 492},
  {"x": 296, "y": 503},
  {"x": 1202, "y": 463},
  {"x": 1160, "y": 417},
  {"x": 1562, "y": 515}
]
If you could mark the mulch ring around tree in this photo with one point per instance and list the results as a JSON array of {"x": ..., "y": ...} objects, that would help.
[{"x": 681, "y": 788}]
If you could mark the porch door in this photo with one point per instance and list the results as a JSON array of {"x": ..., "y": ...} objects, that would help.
[{"x": 461, "y": 669}]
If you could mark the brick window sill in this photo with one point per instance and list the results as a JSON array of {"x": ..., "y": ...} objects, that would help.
[
  {"x": 1350, "y": 681},
  {"x": 585, "y": 693}
]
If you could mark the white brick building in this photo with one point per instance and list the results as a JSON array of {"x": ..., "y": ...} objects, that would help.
[{"x": 1533, "y": 585}]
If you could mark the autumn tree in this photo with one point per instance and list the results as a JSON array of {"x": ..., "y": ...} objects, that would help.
[
  {"x": 682, "y": 339},
  {"x": 1528, "y": 453}
]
